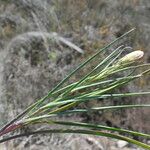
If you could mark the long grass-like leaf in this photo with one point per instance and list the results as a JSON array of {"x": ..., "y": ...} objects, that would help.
[
  {"x": 63, "y": 108},
  {"x": 80, "y": 131},
  {"x": 104, "y": 108},
  {"x": 88, "y": 125},
  {"x": 33, "y": 106},
  {"x": 96, "y": 92},
  {"x": 86, "y": 110},
  {"x": 102, "y": 82},
  {"x": 109, "y": 57},
  {"x": 80, "y": 99}
]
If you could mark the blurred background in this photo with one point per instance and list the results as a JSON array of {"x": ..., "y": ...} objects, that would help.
[{"x": 35, "y": 56}]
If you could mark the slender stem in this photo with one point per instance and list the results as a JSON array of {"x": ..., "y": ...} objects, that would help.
[
  {"x": 15, "y": 119},
  {"x": 11, "y": 128}
]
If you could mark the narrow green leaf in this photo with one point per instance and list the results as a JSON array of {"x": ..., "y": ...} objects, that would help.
[
  {"x": 104, "y": 108},
  {"x": 102, "y": 82},
  {"x": 109, "y": 57},
  {"x": 79, "y": 131},
  {"x": 85, "y": 110},
  {"x": 79, "y": 100},
  {"x": 88, "y": 125}
]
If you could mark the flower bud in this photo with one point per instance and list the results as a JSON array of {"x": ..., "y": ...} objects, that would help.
[{"x": 131, "y": 57}]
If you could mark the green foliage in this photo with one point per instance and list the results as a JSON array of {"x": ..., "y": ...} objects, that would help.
[{"x": 96, "y": 84}]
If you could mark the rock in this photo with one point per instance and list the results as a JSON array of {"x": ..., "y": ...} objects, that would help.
[{"x": 121, "y": 144}]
